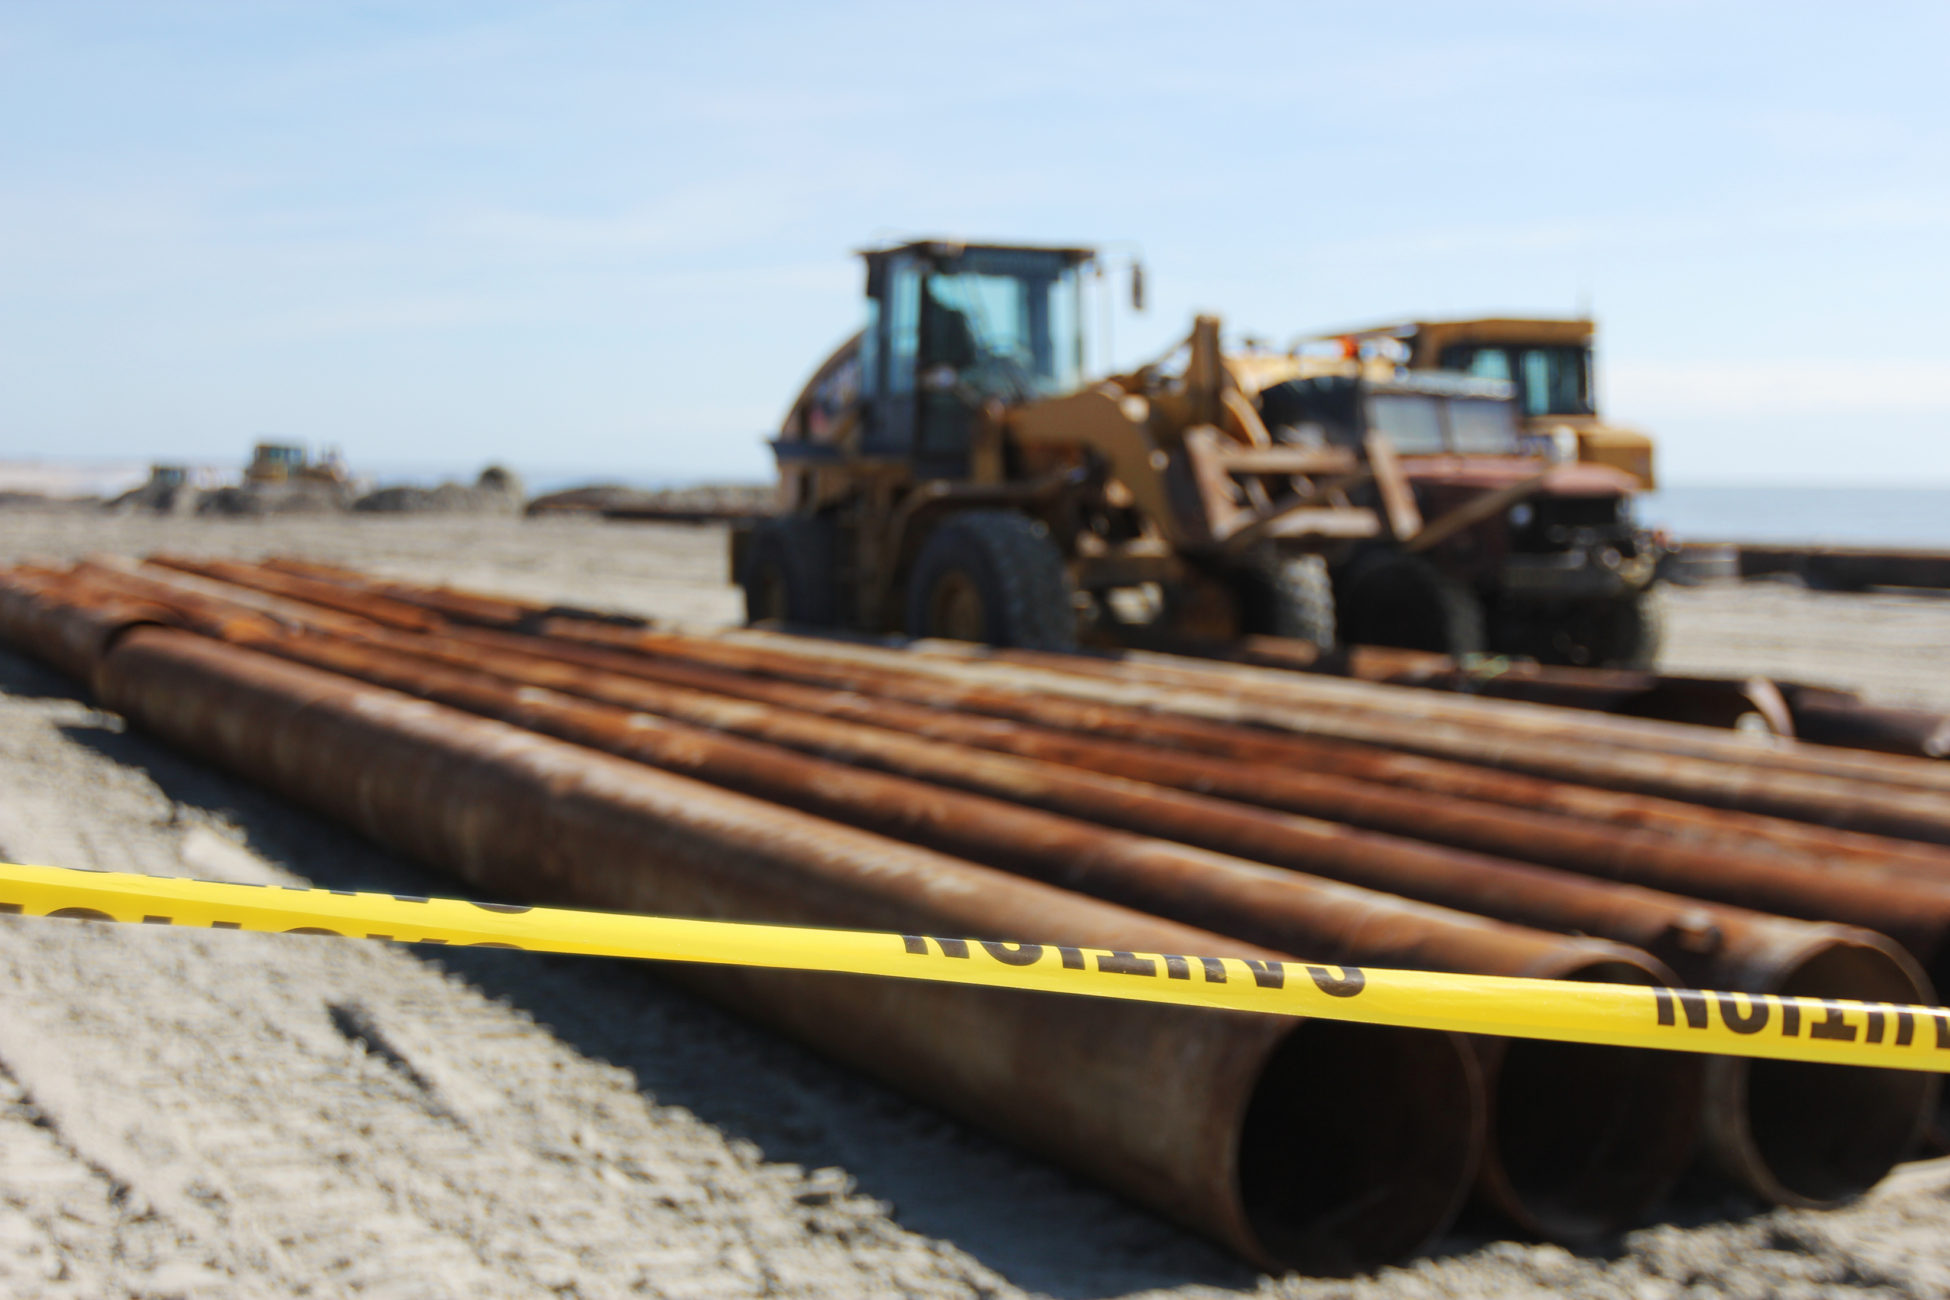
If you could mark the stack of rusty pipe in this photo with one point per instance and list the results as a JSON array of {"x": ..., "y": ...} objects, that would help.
[{"x": 1145, "y": 805}]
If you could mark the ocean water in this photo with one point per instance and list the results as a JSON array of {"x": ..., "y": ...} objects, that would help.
[{"x": 1909, "y": 517}]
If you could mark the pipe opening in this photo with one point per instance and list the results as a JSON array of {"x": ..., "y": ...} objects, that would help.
[
  {"x": 1358, "y": 1145},
  {"x": 1824, "y": 1133},
  {"x": 1586, "y": 1139}
]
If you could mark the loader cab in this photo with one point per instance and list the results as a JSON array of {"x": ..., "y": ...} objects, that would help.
[{"x": 952, "y": 327}]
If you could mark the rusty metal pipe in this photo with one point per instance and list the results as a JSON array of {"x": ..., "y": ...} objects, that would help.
[
  {"x": 67, "y": 629},
  {"x": 1910, "y": 905},
  {"x": 208, "y": 597},
  {"x": 1715, "y": 829},
  {"x": 1719, "y": 946},
  {"x": 1626, "y": 1139},
  {"x": 1210, "y": 1118},
  {"x": 1671, "y": 811},
  {"x": 1737, "y": 1150},
  {"x": 380, "y": 609},
  {"x": 1320, "y": 694},
  {"x": 1903, "y": 898},
  {"x": 1722, "y": 946},
  {"x": 1532, "y": 719},
  {"x": 1708, "y": 829},
  {"x": 1839, "y": 718},
  {"x": 1913, "y": 910},
  {"x": 1535, "y": 821},
  {"x": 1858, "y": 804},
  {"x": 1508, "y": 787},
  {"x": 1862, "y": 805},
  {"x": 474, "y": 607}
]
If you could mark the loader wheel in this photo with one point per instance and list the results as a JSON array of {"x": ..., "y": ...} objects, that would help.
[
  {"x": 993, "y": 576},
  {"x": 1633, "y": 631},
  {"x": 1392, "y": 599},
  {"x": 1287, "y": 595},
  {"x": 789, "y": 573}
]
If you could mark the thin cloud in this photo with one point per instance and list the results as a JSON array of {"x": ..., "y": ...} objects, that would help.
[{"x": 1799, "y": 385}]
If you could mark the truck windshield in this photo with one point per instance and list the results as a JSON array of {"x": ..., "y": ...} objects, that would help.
[
  {"x": 1551, "y": 380},
  {"x": 1554, "y": 381},
  {"x": 1412, "y": 422},
  {"x": 1008, "y": 321},
  {"x": 1480, "y": 426}
]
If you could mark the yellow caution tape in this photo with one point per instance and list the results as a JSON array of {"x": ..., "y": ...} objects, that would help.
[{"x": 1624, "y": 1015}]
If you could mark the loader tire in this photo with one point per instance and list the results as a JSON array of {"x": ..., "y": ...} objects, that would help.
[
  {"x": 1287, "y": 596},
  {"x": 789, "y": 573},
  {"x": 1634, "y": 631},
  {"x": 993, "y": 576},
  {"x": 1388, "y": 598}
]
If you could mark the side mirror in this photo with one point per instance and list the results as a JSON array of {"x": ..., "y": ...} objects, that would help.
[{"x": 1137, "y": 285}]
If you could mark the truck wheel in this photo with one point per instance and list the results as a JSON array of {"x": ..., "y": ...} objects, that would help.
[
  {"x": 1392, "y": 599},
  {"x": 1289, "y": 596},
  {"x": 993, "y": 576},
  {"x": 789, "y": 572},
  {"x": 1634, "y": 631}
]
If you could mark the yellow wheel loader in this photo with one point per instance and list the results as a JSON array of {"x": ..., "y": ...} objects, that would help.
[{"x": 948, "y": 471}]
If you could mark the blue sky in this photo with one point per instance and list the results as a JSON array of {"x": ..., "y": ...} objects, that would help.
[{"x": 616, "y": 236}]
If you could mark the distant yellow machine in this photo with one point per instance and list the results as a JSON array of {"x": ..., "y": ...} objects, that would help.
[
  {"x": 276, "y": 462},
  {"x": 1549, "y": 361}
]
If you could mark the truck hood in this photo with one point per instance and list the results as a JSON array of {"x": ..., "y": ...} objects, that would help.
[{"x": 1490, "y": 473}]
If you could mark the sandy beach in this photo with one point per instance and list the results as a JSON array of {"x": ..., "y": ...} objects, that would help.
[{"x": 219, "y": 1115}]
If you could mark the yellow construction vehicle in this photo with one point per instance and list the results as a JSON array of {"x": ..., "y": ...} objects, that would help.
[
  {"x": 948, "y": 472},
  {"x": 1530, "y": 546},
  {"x": 1548, "y": 359},
  {"x": 276, "y": 462}
]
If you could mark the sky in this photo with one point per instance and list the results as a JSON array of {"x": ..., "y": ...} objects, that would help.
[{"x": 614, "y": 238}]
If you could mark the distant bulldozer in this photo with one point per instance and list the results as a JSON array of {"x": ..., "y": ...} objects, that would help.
[
  {"x": 274, "y": 462},
  {"x": 946, "y": 472},
  {"x": 282, "y": 478}
]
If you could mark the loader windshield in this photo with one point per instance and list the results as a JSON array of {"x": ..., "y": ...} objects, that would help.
[{"x": 1007, "y": 320}]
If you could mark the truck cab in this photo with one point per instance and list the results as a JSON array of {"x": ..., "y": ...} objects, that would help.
[
  {"x": 1549, "y": 362},
  {"x": 1523, "y": 551}
]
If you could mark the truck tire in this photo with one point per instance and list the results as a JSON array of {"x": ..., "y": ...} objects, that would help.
[
  {"x": 993, "y": 576},
  {"x": 1635, "y": 630},
  {"x": 790, "y": 573},
  {"x": 1388, "y": 598},
  {"x": 1287, "y": 596}
]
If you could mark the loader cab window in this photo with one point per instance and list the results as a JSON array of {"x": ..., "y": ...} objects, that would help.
[
  {"x": 870, "y": 352},
  {"x": 890, "y": 347},
  {"x": 1006, "y": 322},
  {"x": 903, "y": 324},
  {"x": 1551, "y": 380},
  {"x": 949, "y": 330}
]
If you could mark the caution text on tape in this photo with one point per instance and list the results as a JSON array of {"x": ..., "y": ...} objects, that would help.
[{"x": 1727, "y": 1023}]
